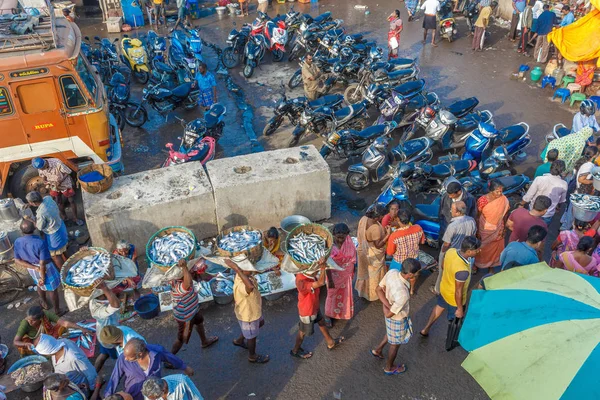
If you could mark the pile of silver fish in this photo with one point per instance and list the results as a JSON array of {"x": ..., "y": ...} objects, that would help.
[
  {"x": 240, "y": 240},
  {"x": 84, "y": 340},
  {"x": 169, "y": 249},
  {"x": 586, "y": 202},
  {"x": 85, "y": 271},
  {"x": 203, "y": 289},
  {"x": 307, "y": 249},
  {"x": 222, "y": 284}
]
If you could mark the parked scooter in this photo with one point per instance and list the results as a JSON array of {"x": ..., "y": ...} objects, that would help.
[
  {"x": 156, "y": 48},
  {"x": 447, "y": 24},
  {"x": 378, "y": 164},
  {"x": 486, "y": 141},
  {"x": 254, "y": 52},
  {"x": 349, "y": 143},
  {"x": 195, "y": 146},
  {"x": 133, "y": 55},
  {"x": 559, "y": 130},
  {"x": 276, "y": 38},
  {"x": 232, "y": 55},
  {"x": 356, "y": 92},
  {"x": 293, "y": 108},
  {"x": 405, "y": 102}
]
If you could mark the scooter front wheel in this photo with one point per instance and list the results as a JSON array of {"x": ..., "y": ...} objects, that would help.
[
  {"x": 141, "y": 76},
  {"x": 229, "y": 58},
  {"x": 248, "y": 71},
  {"x": 277, "y": 55},
  {"x": 357, "y": 181},
  {"x": 353, "y": 94},
  {"x": 135, "y": 115},
  {"x": 295, "y": 80}
]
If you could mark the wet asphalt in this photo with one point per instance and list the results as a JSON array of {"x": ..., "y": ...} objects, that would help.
[{"x": 454, "y": 72}]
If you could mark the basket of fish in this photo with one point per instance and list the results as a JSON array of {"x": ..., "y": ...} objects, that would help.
[
  {"x": 84, "y": 270},
  {"x": 585, "y": 207},
  {"x": 240, "y": 240},
  {"x": 307, "y": 244},
  {"x": 167, "y": 246}
]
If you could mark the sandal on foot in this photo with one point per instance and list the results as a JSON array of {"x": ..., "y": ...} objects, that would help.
[
  {"x": 303, "y": 354},
  {"x": 336, "y": 342},
  {"x": 259, "y": 359},
  {"x": 211, "y": 341},
  {"x": 423, "y": 334},
  {"x": 400, "y": 369},
  {"x": 377, "y": 355},
  {"x": 243, "y": 345}
]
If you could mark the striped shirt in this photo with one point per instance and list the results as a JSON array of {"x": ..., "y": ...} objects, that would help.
[{"x": 185, "y": 302}]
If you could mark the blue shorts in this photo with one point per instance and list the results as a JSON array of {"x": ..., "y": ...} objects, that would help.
[
  {"x": 395, "y": 265},
  {"x": 112, "y": 353},
  {"x": 451, "y": 309}
]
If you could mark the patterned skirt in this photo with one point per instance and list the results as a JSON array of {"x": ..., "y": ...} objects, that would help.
[{"x": 398, "y": 331}]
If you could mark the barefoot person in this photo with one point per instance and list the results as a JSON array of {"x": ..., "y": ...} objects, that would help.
[
  {"x": 309, "y": 287},
  {"x": 248, "y": 310},
  {"x": 186, "y": 310},
  {"x": 393, "y": 291},
  {"x": 431, "y": 8}
]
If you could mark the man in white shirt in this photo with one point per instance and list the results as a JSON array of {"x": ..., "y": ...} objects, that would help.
[
  {"x": 431, "y": 8},
  {"x": 585, "y": 117},
  {"x": 551, "y": 185},
  {"x": 172, "y": 387}
]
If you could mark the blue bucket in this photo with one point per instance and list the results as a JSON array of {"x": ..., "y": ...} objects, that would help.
[
  {"x": 23, "y": 362},
  {"x": 147, "y": 306}
]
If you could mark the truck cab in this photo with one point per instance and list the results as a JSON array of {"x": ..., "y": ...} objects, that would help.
[{"x": 52, "y": 104}]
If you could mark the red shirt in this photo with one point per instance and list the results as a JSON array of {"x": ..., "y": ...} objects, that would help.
[
  {"x": 522, "y": 220},
  {"x": 404, "y": 243},
  {"x": 308, "y": 297}
]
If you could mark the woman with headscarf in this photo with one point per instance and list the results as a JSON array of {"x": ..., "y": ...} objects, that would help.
[
  {"x": 492, "y": 209},
  {"x": 372, "y": 241},
  {"x": 567, "y": 240},
  {"x": 394, "y": 34},
  {"x": 272, "y": 242},
  {"x": 340, "y": 303}
]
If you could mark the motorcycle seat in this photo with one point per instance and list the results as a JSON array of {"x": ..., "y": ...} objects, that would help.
[
  {"x": 510, "y": 133},
  {"x": 562, "y": 132},
  {"x": 346, "y": 112},
  {"x": 402, "y": 61},
  {"x": 162, "y": 67},
  {"x": 335, "y": 33},
  {"x": 467, "y": 124},
  {"x": 428, "y": 212},
  {"x": 371, "y": 132},
  {"x": 212, "y": 116},
  {"x": 203, "y": 150},
  {"x": 463, "y": 107},
  {"x": 399, "y": 74},
  {"x": 329, "y": 99},
  {"x": 512, "y": 181},
  {"x": 410, "y": 148},
  {"x": 183, "y": 90},
  {"x": 448, "y": 169},
  {"x": 411, "y": 88},
  {"x": 323, "y": 17}
]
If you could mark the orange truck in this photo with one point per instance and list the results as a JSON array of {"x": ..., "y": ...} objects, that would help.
[{"x": 52, "y": 104}]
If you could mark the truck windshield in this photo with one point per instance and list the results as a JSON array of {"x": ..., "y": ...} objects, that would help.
[{"x": 87, "y": 78}]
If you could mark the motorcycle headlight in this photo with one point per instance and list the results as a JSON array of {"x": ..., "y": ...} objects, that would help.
[
  {"x": 230, "y": 38},
  {"x": 144, "y": 91},
  {"x": 303, "y": 27}
]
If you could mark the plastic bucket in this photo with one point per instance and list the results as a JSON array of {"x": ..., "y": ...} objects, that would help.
[
  {"x": 584, "y": 215},
  {"x": 289, "y": 223},
  {"x": 147, "y": 306},
  {"x": 23, "y": 362}
]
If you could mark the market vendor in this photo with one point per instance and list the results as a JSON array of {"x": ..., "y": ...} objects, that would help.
[
  {"x": 116, "y": 337},
  {"x": 48, "y": 221},
  {"x": 104, "y": 307},
  {"x": 272, "y": 242},
  {"x": 128, "y": 250},
  {"x": 59, "y": 387},
  {"x": 37, "y": 322},
  {"x": 31, "y": 252},
  {"x": 58, "y": 176}
]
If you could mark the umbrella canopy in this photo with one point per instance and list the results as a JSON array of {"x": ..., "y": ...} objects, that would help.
[{"x": 535, "y": 334}]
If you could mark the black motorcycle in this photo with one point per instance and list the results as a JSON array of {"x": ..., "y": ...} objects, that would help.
[
  {"x": 349, "y": 142},
  {"x": 232, "y": 55},
  {"x": 308, "y": 39},
  {"x": 356, "y": 92},
  {"x": 254, "y": 52},
  {"x": 156, "y": 48},
  {"x": 293, "y": 108},
  {"x": 164, "y": 100},
  {"x": 426, "y": 178},
  {"x": 120, "y": 105}
]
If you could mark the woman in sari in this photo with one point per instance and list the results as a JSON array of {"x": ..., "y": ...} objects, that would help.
[
  {"x": 40, "y": 321},
  {"x": 492, "y": 209},
  {"x": 372, "y": 241},
  {"x": 272, "y": 242},
  {"x": 394, "y": 34},
  {"x": 580, "y": 260},
  {"x": 568, "y": 240},
  {"x": 340, "y": 303}
]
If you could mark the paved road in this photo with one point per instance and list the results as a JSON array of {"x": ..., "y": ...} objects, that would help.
[{"x": 349, "y": 372}]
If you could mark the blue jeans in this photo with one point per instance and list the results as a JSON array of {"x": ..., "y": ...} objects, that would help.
[{"x": 548, "y": 220}]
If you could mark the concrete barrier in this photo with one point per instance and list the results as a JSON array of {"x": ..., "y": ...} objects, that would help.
[
  {"x": 261, "y": 189},
  {"x": 138, "y": 205}
]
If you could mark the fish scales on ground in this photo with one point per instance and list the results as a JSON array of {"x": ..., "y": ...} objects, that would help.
[
  {"x": 307, "y": 248},
  {"x": 169, "y": 249},
  {"x": 586, "y": 202},
  {"x": 88, "y": 269},
  {"x": 240, "y": 240}
]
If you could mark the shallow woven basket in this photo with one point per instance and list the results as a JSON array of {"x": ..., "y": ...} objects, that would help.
[
  {"x": 98, "y": 186},
  {"x": 254, "y": 253},
  {"x": 164, "y": 232},
  {"x": 84, "y": 291},
  {"x": 309, "y": 229}
]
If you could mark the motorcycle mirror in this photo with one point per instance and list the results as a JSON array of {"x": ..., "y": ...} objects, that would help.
[
  {"x": 87, "y": 38},
  {"x": 116, "y": 40},
  {"x": 97, "y": 38},
  {"x": 178, "y": 137}
]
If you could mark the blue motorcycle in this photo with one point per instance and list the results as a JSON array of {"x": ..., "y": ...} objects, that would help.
[
  {"x": 156, "y": 48},
  {"x": 503, "y": 145}
]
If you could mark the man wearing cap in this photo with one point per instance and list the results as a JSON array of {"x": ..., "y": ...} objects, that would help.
[
  {"x": 58, "y": 176},
  {"x": 104, "y": 307},
  {"x": 67, "y": 359},
  {"x": 308, "y": 286},
  {"x": 248, "y": 309},
  {"x": 116, "y": 337}
]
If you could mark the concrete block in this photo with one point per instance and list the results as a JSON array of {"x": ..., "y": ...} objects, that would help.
[
  {"x": 261, "y": 189},
  {"x": 138, "y": 205}
]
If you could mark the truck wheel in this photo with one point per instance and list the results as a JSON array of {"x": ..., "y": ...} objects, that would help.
[{"x": 24, "y": 180}]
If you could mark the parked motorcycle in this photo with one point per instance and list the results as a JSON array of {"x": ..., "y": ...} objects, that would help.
[
  {"x": 164, "y": 100},
  {"x": 445, "y": 128},
  {"x": 156, "y": 48},
  {"x": 233, "y": 54},
  {"x": 195, "y": 145},
  {"x": 276, "y": 38},
  {"x": 426, "y": 178},
  {"x": 447, "y": 24},
  {"x": 309, "y": 35},
  {"x": 486, "y": 141},
  {"x": 348, "y": 143},
  {"x": 356, "y": 92},
  {"x": 103, "y": 56},
  {"x": 254, "y": 52},
  {"x": 119, "y": 103},
  {"x": 559, "y": 130},
  {"x": 378, "y": 164},
  {"x": 133, "y": 55},
  {"x": 293, "y": 108},
  {"x": 471, "y": 13},
  {"x": 405, "y": 103}
]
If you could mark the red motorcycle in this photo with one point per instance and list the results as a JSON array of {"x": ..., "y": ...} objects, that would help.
[
  {"x": 192, "y": 148},
  {"x": 275, "y": 31}
]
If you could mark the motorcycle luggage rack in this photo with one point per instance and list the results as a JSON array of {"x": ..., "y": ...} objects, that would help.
[{"x": 41, "y": 37}]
